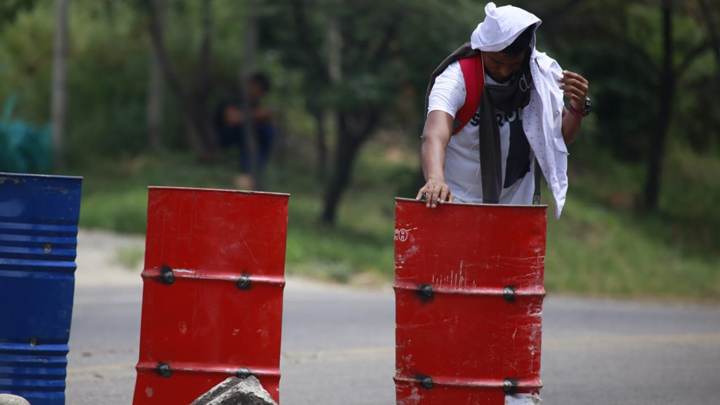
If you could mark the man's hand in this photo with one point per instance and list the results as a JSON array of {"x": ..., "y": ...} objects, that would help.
[
  {"x": 434, "y": 191},
  {"x": 574, "y": 87}
]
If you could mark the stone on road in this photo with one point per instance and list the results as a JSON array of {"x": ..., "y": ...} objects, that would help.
[
  {"x": 7, "y": 399},
  {"x": 236, "y": 391}
]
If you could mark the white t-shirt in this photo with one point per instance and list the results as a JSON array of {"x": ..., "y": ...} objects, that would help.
[{"x": 462, "y": 155}]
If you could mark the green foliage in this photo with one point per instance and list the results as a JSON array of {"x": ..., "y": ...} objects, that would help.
[
  {"x": 388, "y": 47},
  {"x": 115, "y": 190},
  {"x": 604, "y": 244},
  {"x": 9, "y": 9},
  {"x": 108, "y": 71},
  {"x": 618, "y": 46}
]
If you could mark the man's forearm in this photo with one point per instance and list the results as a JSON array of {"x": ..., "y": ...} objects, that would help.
[
  {"x": 436, "y": 135},
  {"x": 433, "y": 158},
  {"x": 570, "y": 126}
]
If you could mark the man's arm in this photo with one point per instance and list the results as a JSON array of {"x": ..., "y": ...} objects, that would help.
[
  {"x": 436, "y": 135},
  {"x": 575, "y": 87}
]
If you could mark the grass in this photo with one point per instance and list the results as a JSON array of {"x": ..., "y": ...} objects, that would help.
[
  {"x": 602, "y": 246},
  {"x": 606, "y": 245},
  {"x": 130, "y": 257}
]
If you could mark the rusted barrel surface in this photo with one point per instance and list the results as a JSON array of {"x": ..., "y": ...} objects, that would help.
[
  {"x": 213, "y": 289},
  {"x": 469, "y": 293}
]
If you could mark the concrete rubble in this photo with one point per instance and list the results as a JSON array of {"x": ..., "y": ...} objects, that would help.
[
  {"x": 236, "y": 391},
  {"x": 7, "y": 399}
]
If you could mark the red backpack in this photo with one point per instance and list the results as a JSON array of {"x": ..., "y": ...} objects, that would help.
[{"x": 472, "y": 69}]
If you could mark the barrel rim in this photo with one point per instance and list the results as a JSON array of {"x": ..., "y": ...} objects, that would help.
[
  {"x": 221, "y": 190},
  {"x": 42, "y": 176},
  {"x": 412, "y": 200}
]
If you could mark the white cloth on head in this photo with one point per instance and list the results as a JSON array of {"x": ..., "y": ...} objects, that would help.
[
  {"x": 501, "y": 27},
  {"x": 542, "y": 118}
]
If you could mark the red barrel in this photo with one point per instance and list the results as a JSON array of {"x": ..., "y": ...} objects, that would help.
[
  {"x": 469, "y": 293},
  {"x": 213, "y": 289}
]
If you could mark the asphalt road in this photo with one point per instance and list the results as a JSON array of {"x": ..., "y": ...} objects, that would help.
[{"x": 338, "y": 348}]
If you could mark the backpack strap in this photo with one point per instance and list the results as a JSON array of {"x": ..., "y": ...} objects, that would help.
[
  {"x": 474, "y": 75},
  {"x": 463, "y": 52},
  {"x": 537, "y": 197}
]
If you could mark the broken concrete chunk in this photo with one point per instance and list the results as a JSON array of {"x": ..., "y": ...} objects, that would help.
[
  {"x": 236, "y": 391},
  {"x": 522, "y": 399},
  {"x": 7, "y": 399}
]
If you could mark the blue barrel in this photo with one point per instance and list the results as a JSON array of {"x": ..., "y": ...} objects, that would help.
[{"x": 38, "y": 240}]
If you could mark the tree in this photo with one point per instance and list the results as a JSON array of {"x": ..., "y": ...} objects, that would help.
[
  {"x": 333, "y": 50},
  {"x": 156, "y": 87},
  {"x": 667, "y": 90},
  {"x": 386, "y": 47},
  {"x": 9, "y": 9},
  {"x": 246, "y": 68},
  {"x": 194, "y": 102},
  {"x": 636, "y": 54},
  {"x": 59, "y": 80}
]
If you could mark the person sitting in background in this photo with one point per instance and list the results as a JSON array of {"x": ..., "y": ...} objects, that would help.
[{"x": 230, "y": 128}]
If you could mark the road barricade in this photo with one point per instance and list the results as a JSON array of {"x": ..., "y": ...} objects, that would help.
[
  {"x": 38, "y": 241},
  {"x": 213, "y": 289},
  {"x": 469, "y": 293}
]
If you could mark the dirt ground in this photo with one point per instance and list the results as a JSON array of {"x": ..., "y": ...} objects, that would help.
[{"x": 106, "y": 258}]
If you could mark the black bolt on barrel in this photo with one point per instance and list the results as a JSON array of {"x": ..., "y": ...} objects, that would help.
[
  {"x": 243, "y": 282},
  {"x": 509, "y": 293},
  {"x": 166, "y": 275},
  {"x": 427, "y": 382},
  {"x": 164, "y": 370},
  {"x": 243, "y": 373},
  {"x": 510, "y": 386},
  {"x": 426, "y": 292}
]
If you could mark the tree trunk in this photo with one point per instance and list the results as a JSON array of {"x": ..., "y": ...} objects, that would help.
[
  {"x": 155, "y": 90},
  {"x": 282, "y": 135},
  {"x": 202, "y": 91},
  {"x": 353, "y": 130},
  {"x": 195, "y": 129},
  {"x": 334, "y": 50},
  {"x": 667, "y": 87},
  {"x": 321, "y": 143},
  {"x": 329, "y": 119},
  {"x": 246, "y": 67},
  {"x": 348, "y": 149},
  {"x": 59, "y": 80},
  {"x": 194, "y": 136}
]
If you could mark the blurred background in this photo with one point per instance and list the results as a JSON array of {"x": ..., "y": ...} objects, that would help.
[{"x": 131, "y": 93}]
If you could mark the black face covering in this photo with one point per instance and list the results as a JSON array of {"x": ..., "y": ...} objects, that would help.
[{"x": 507, "y": 99}]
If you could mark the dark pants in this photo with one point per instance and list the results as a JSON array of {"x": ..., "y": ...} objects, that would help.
[{"x": 264, "y": 137}]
